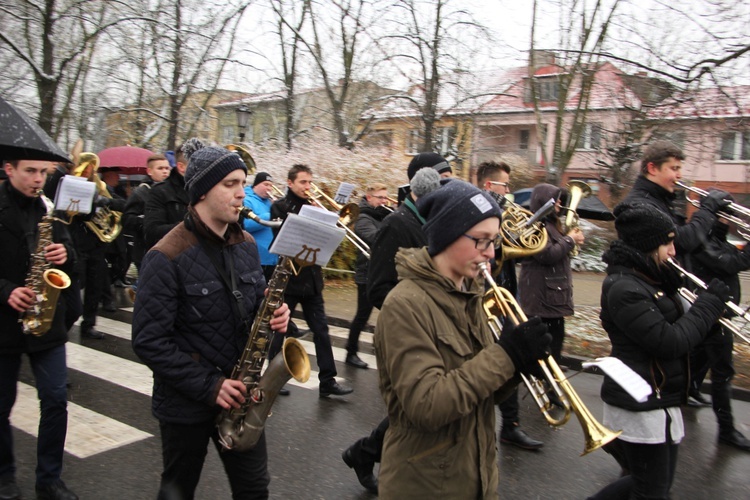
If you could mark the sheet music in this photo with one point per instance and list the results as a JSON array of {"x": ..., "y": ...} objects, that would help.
[
  {"x": 307, "y": 238},
  {"x": 344, "y": 193},
  {"x": 625, "y": 377},
  {"x": 75, "y": 194},
  {"x": 319, "y": 214}
]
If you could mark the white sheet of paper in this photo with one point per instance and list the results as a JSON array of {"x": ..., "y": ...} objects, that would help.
[
  {"x": 319, "y": 214},
  {"x": 625, "y": 377},
  {"x": 344, "y": 193},
  {"x": 75, "y": 194},
  {"x": 307, "y": 239}
]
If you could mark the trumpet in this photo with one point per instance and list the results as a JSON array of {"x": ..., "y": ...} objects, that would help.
[
  {"x": 277, "y": 193},
  {"x": 742, "y": 221},
  {"x": 498, "y": 303},
  {"x": 347, "y": 214},
  {"x": 692, "y": 297}
]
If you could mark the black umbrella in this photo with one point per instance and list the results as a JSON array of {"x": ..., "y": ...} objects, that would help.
[
  {"x": 22, "y": 139},
  {"x": 590, "y": 208}
]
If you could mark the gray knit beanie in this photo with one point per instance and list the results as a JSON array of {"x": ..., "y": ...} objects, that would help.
[
  {"x": 452, "y": 210},
  {"x": 207, "y": 167}
]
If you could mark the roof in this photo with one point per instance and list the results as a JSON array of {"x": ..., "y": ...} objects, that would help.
[{"x": 714, "y": 103}]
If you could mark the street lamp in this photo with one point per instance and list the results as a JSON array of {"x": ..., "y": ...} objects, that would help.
[{"x": 243, "y": 116}]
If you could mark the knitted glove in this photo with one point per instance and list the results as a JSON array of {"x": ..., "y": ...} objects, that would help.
[
  {"x": 716, "y": 200},
  {"x": 720, "y": 289},
  {"x": 526, "y": 343}
]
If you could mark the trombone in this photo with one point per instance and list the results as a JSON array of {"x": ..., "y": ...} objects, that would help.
[
  {"x": 743, "y": 224},
  {"x": 498, "y": 303},
  {"x": 691, "y": 297},
  {"x": 347, "y": 214}
]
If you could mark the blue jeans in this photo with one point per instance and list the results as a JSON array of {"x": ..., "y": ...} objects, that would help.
[{"x": 50, "y": 373}]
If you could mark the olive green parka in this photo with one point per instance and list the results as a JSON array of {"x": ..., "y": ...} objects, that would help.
[{"x": 440, "y": 375}]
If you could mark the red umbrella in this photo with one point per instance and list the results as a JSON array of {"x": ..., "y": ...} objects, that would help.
[{"x": 126, "y": 159}]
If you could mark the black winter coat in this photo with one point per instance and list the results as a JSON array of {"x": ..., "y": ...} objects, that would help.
[
  {"x": 309, "y": 281},
  {"x": 545, "y": 285},
  {"x": 132, "y": 221},
  {"x": 18, "y": 216},
  {"x": 643, "y": 316},
  {"x": 366, "y": 227},
  {"x": 165, "y": 208},
  {"x": 690, "y": 236},
  {"x": 184, "y": 324},
  {"x": 401, "y": 229}
]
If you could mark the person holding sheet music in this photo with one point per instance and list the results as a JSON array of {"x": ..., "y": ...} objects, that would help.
[
  {"x": 306, "y": 289},
  {"x": 652, "y": 332}
]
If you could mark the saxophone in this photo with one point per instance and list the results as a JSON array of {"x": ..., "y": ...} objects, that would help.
[
  {"x": 241, "y": 428},
  {"x": 45, "y": 282}
]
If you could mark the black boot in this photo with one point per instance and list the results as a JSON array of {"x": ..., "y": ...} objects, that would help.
[
  {"x": 364, "y": 471},
  {"x": 55, "y": 491}
]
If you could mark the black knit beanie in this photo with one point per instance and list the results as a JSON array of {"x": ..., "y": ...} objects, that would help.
[
  {"x": 261, "y": 177},
  {"x": 643, "y": 227},
  {"x": 207, "y": 167},
  {"x": 452, "y": 210},
  {"x": 423, "y": 160}
]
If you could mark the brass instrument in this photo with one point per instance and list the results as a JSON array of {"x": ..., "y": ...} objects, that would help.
[
  {"x": 240, "y": 428},
  {"x": 523, "y": 233},
  {"x": 44, "y": 281},
  {"x": 104, "y": 223},
  {"x": 249, "y": 214},
  {"x": 245, "y": 155},
  {"x": 347, "y": 215},
  {"x": 277, "y": 193},
  {"x": 499, "y": 304},
  {"x": 737, "y": 213},
  {"x": 691, "y": 297},
  {"x": 578, "y": 191}
]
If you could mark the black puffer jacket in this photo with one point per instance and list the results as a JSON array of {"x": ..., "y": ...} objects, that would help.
[
  {"x": 132, "y": 221},
  {"x": 309, "y": 281},
  {"x": 643, "y": 316},
  {"x": 184, "y": 325},
  {"x": 18, "y": 216},
  {"x": 401, "y": 229},
  {"x": 165, "y": 208},
  {"x": 690, "y": 236},
  {"x": 366, "y": 227}
]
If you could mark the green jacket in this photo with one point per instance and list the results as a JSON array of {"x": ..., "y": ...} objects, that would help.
[{"x": 440, "y": 374}]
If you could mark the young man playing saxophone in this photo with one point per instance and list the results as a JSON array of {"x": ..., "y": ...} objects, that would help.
[{"x": 199, "y": 291}]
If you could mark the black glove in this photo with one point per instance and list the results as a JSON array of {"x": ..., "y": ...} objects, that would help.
[
  {"x": 526, "y": 343},
  {"x": 102, "y": 201},
  {"x": 720, "y": 289},
  {"x": 716, "y": 200}
]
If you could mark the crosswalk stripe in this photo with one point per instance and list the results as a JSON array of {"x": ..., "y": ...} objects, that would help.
[
  {"x": 89, "y": 433},
  {"x": 123, "y": 372}
]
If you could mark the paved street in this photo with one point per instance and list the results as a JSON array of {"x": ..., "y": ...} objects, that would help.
[{"x": 113, "y": 448}]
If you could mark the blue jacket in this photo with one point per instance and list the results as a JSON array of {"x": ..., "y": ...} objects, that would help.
[
  {"x": 263, "y": 235},
  {"x": 184, "y": 324}
]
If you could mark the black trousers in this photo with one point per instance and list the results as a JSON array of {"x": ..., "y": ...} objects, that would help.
[
  {"x": 369, "y": 449},
  {"x": 556, "y": 328},
  {"x": 92, "y": 272},
  {"x": 184, "y": 449},
  {"x": 715, "y": 354},
  {"x": 364, "y": 309},
  {"x": 313, "y": 310}
]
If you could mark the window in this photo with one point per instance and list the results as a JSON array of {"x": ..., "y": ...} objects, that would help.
[
  {"x": 547, "y": 89},
  {"x": 735, "y": 146},
  {"x": 378, "y": 138},
  {"x": 676, "y": 138},
  {"x": 523, "y": 140},
  {"x": 591, "y": 136},
  {"x": 444, "y": 137},
  {"x": 228, "y": 135},
  {"x": 414, "y": 142}
]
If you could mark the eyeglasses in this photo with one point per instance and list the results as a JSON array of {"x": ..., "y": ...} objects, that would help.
[
  {"x": 506, "y": 185},
  {"x": 483, "y": 244},
  {"x": 381, "y": 198}
]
